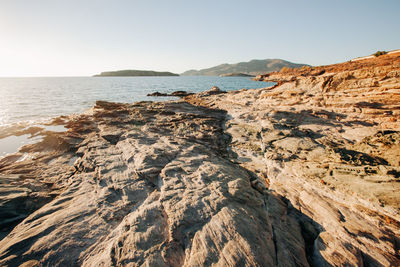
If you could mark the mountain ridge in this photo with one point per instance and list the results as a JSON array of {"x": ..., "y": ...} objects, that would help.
[{"x": 252, "y": 67}]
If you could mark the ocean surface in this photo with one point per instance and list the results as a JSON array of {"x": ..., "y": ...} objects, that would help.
[
  {"x": 36, "y": 99},
  {"x": 26, "y": 102}
]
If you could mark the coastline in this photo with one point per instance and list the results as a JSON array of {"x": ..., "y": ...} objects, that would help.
[
  {"x": 294, "y": 174},
  {"x": 52, "y": 97}
]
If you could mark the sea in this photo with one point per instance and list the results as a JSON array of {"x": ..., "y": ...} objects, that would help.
[{"x": 34, "y": 101}]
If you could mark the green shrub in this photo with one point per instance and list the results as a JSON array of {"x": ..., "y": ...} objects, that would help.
[{"x": 380, "y": 53}]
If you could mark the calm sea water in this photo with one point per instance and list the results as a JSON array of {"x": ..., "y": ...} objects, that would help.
[
  {"x": 33, "y": 99},
  {"x": 26, "y": 102}
]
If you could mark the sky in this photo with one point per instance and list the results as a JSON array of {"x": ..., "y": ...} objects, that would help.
[{"x": 85, "y": 37}]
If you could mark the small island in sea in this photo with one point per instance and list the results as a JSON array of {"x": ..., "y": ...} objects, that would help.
[{"x": 125, "y": 73}]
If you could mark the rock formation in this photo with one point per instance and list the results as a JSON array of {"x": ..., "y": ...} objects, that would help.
[
  {"x": 305, "y": 173},
  {"x": 176, "y": 93}
]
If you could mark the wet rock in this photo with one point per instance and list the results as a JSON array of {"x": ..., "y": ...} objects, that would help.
[
  {"x": 157, "y": 94},
  {"x": 176, "y": 93},
  {"x": 180, "y": 93}
]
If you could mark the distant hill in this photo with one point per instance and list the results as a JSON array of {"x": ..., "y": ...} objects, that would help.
[
  {"x": 253, "y": 67},
  {"x": 135, "y": 73}
]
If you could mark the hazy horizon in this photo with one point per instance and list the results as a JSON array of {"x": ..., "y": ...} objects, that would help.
[
  {"x": 91, "y": 75},
  {"x": 81, "y": 38}
]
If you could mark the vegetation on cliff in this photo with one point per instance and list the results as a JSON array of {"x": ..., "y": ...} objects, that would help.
[{"x": 380, "y": 53}]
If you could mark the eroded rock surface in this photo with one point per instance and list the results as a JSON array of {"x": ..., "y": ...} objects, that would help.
[
  {"x": 152, "y": 185},
  {"x": 327, "y": 139},
  {"x": 305, "y": 173}
]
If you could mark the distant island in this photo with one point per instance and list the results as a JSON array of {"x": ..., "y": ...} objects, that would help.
[
  {"x": 252, "y": 68},
  {"x": 125, "y": 73}
]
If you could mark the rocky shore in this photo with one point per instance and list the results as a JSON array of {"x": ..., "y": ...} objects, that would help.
[{"x": 304, "y": 173}]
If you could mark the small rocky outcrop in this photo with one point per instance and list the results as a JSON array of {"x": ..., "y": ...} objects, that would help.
[
  {"x": 176, "y": 93},
  {"x": 213, "y": 91}
]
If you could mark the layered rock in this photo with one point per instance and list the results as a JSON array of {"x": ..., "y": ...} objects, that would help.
[
  {"x": 328, "y": 142},
  {"x": 302, "y": 173}
]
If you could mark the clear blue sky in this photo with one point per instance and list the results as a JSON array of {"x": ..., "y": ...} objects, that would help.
[{"x": 84, "y": 37}]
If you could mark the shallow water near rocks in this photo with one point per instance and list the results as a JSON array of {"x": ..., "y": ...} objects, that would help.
[
  {"x": 55, "y": 96},
  {"x": 38, "y": 98},
  {"x": 54, "y": 128},
  {"x": 12, "y": 143}
]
